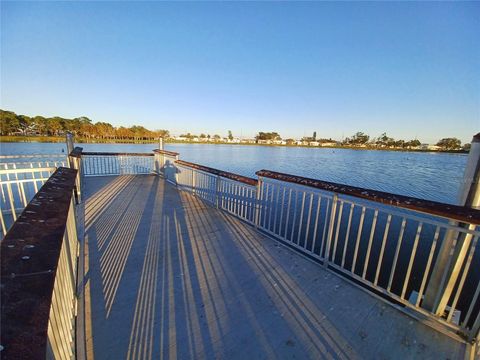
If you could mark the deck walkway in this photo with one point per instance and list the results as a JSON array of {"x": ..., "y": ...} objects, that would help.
[{"x": 167, "y": 276}]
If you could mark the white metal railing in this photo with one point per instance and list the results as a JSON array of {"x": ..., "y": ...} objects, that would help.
[
  {"x": 46, "y": 274},
  {"x": 107, "y": 164},
  {"x": 374, "y": 239},
  {"x": 165, "y": 164},
  {"x": 61, "y": 321},
  {"x": 17, "y": 188},
  {"x": 236, "y": 197},
  {"x": 389, "y": 248}
]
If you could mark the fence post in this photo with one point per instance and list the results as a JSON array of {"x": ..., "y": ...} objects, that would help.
[
  {"x": 258, "y": 200},
  {"x": 331, "y": 225},
  {"x": 217, "y": 190},
  {"x": 454, "y": 248}
]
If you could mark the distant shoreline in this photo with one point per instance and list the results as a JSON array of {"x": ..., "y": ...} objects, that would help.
[{"x": 61, "y": 139}]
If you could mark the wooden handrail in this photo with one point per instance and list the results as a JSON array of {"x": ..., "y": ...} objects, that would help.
[
  {"x": 165, "y": 152},
  {"x": 225, "y": 174},
  {"x": 459, "y": 213},
  {"x": 77, "y": 152},
  {"x": 115, "y": 154}
]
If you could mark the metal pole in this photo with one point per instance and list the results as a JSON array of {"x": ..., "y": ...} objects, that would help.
[
  {"x": 160, "y": 143},
  {"x": 454, "y": 249}
]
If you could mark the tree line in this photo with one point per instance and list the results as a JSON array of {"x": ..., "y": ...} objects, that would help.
[
  {"x": 384, "y": 141},
  {"x": 13, "y": 124}
]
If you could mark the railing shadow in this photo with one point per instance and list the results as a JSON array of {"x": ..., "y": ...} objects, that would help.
[{"x": 171, "y": 277}]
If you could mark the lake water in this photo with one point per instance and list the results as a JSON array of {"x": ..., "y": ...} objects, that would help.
[{"x": 433, "y": 176}]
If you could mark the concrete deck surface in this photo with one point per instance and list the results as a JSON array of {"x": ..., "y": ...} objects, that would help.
[{"x": 167, "y": 276}]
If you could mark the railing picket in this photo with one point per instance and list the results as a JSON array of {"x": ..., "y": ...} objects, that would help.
[
  {"x": 309, "y": 216},
  {"x": 315, "y": 227},
  {"x": 300, "y": 223},
  {"x": 347, "y": 234},
  {"x": 382, "y": 249},
  {"x": 337, "y": 230},
  {"x": 412, "y": 258},
  {"x": 359, "y": 238},
  {"x": 369, "y": 247},
  {"x": 397, "y": 252}
]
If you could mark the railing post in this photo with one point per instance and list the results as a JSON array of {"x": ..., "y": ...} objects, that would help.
[
  {"x": 258, "y": 200},
  {"x": 157, "y": 162},
  {"x": 160, "y": 143},
  {"x": 331, "y": 225},
  {"x": 176, "y": 171},
  {"x": 193, "y": 181},
  {"x": 77, "y": 164},
  {"x": 217, "y": 191},
  {"x": 69, "y": 141},
  {"x": 454, "y": 248}
]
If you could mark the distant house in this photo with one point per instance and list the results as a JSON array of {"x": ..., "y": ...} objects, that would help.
[
  {"x": 234, "y": 141},
  {"x": 248, "y": 141},
  {"x": 430, "y": 147},
  {"x": 279, "y": 142},
  {"x": 313, "y": 143},
  {"x": 328, "y": 144},
  {"x": 181, "y": 138},
  {"x": 264, "y": 142}
]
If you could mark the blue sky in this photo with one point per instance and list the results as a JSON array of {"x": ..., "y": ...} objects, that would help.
[{"x": 410, "y": 69}]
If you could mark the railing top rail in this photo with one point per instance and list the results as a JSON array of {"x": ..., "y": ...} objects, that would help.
[
  {"x": 225, "y": 174},
  {"x": 29, "y": 258},
  {"x": 26, "y": 170},
  {"x": 76, "y": 152},
  {"x": 165, "y": 152},
  {"x": 114, "y": 154},
  {"x": 454, "y": 212}
]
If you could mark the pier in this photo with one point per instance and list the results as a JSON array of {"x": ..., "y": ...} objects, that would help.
[{"x": 142, "y": 256}]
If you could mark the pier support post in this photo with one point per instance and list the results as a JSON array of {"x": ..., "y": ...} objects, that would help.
[{"x": 455, "y": 247}]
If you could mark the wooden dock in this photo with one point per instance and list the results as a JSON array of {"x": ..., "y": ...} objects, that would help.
[{"x": 167, "y": 276}]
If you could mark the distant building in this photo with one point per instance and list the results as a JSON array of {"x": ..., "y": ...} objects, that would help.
[
  {"x": 313, "y": 143},
  {"x": 328, "y": 144},
  {"x": 265, "y": 142},
  {"x": 279, "y": 142},
  {"x": 430, "y": 147}
]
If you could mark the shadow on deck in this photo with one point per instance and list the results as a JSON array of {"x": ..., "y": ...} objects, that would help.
[{"x": 167, "y": 276}]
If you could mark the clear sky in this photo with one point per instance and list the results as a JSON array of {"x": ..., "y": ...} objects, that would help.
[{"x": 410, "y": 69}]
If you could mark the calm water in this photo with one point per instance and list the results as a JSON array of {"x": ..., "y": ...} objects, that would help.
[{"x": 431, "y": 176}]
